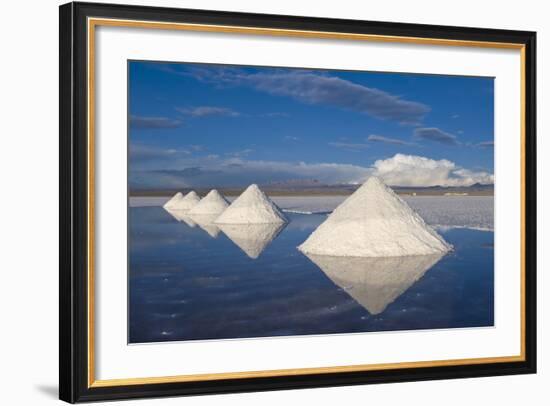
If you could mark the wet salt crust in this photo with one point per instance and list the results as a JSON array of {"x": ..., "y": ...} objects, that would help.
[
  {"x": 251, "y": 281},
  {"x": 374, "y": 222},
  {"x": 195, "y": 278}
]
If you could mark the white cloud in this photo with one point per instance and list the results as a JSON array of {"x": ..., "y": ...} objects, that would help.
[
  {"x": 411, "y": 170},
  {"x": 181, "y": 170},
  {"x": 152, "y": 167},
  {"x": 436, "y": 135},
  {"x": 240, "y": 153},
  {"x": 324, "y": 172},
  {"x": 275, "y": 114},
  {"x": 486, "y": 144},
  {"x": 145, "y": 122},
  {"x": 206, "y": 111},
  {"x": 314, "y": 87},
  {"x": 144, "y": 153},
  {"x": 348, "y": 146},
  {"x": 388, "y": 140}
]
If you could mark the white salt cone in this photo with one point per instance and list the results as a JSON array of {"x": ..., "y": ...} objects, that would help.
[
  {"x": 252, "y": 207},
  {"x": 170, "y": 204},
  {"x": 212, "y": 203},
  {"x": 374, "y": 222},
  {"x": 187, "y": 202}
]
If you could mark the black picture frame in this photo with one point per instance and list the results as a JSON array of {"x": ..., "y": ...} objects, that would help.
[{"x": 74, "y": 385}]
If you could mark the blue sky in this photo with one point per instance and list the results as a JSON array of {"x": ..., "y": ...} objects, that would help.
[{"x": 196, "y": 125}]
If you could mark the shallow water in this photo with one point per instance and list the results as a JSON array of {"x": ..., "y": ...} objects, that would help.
[{"x": 189, "y": 280}]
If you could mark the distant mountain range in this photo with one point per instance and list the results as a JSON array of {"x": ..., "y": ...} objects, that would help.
[
  {"x": 476, "y": 187},
  {"x": 314, "y": 187}
]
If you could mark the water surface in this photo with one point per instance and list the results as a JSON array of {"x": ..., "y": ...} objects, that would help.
[{"x": 190, "y": 280}]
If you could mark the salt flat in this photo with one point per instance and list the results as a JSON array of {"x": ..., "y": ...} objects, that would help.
[{"x": 475, "y": 212}]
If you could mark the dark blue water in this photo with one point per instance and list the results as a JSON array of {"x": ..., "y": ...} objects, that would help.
[{"x": 185, "y": 284}]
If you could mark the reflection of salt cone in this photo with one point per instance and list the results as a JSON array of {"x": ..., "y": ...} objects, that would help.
[
  {"x": 206, "y": 222},
  {"x": 252, "y": 238},
  {"x": 375, "y": 282},
  {"x": 181, "y": 216}
]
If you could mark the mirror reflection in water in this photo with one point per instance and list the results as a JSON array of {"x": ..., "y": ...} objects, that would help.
[
  {"x": 375, "y": 282},
  {"x": 252, "y": 281}
]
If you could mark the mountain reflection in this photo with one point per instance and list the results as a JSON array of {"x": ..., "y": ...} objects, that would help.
[
  {"x": 181, "y": 216},
  {"x": 375, "y": 282},
  {"x": 252, "y": 238},
  {"x": 206, "y": 222}
]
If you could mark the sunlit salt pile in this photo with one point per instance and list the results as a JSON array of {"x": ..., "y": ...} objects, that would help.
[
  {"x": 187, "y": 202},
  {"x": 252, "y": 207},
  {"x": 374, "y": 222},
  {"x": 212, "y": 203},
  {"x": 170, "y": 204}
]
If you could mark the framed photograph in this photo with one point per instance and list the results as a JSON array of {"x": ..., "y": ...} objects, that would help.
[{"x": 257, "y": 202}]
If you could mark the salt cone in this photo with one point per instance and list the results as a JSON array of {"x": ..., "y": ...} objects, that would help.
[
  {"x": 374, "y": 222},
  {"x": 252, "y": 207},
  {"x": 212, "y": 203},
  {"x": 187, "y": 202},
  {"x": 170, "y": 204}
]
